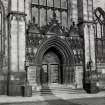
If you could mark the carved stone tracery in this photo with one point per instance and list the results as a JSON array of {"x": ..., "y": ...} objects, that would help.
[{"x": 36, "y": 34}]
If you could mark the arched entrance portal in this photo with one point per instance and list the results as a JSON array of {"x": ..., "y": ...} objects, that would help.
[
  {"x": 57, "y": 62},
  {"x": 52, "y": 67}
]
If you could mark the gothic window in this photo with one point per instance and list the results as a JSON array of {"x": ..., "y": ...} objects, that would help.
[
  {"x": 43, "y": 10},
  {"x": 99, "y": 18}
]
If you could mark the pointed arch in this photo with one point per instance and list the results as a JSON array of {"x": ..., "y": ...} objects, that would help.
[
  {"x": 60, "y": 45},
  {"x": 65, "y": 54}
]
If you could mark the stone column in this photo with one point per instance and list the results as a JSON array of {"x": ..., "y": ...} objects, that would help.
[
  {"x": 16, "y": 41},
  {"x": 85, "y": 8}
]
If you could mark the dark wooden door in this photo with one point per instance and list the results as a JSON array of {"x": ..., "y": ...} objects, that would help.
[{"x": 54, "y": 70}]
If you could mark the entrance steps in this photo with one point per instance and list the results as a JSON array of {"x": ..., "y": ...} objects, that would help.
[
  {"x": 68, "y": 90},
  {"x": 59, "y": 89}
]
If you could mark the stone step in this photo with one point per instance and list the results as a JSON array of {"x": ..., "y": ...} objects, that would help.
[
  {"x": 61, "y": 90},
  {"x": 64, "y": 92}
]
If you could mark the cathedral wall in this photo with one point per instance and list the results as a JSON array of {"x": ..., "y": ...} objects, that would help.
[{"x": 15, "y": 34}]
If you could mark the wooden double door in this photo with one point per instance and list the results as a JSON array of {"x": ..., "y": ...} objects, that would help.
[{"x": 50, "y": 74}]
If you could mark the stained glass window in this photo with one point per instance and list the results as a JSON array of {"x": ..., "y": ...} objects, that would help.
[{"x": 43, "y": 11}]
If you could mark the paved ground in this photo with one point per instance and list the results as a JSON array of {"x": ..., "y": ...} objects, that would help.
[
  {"x": 56, "y": 99},
  {"x": 86, "y": 101},
  {"x": 90, "y": 101}
]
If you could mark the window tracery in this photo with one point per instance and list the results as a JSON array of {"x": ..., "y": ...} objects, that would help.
[
  {"x": 43, "y": 10},
  {"x": 99, "y": 18}
]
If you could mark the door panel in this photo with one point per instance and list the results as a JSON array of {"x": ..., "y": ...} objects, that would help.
[
  {"x": 54, "y": 73},
  {"x": 44, "y": 74}
]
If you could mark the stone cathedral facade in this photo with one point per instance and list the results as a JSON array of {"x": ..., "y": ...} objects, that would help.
[{"x": 58, "y": 43}]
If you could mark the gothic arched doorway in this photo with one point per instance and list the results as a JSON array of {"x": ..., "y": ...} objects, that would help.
[
  {"x": 57, "y": 62},
  {"x": 52, "y": 67}
]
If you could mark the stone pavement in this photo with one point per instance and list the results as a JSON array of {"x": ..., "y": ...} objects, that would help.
[{"x": 56, "y": 99}]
